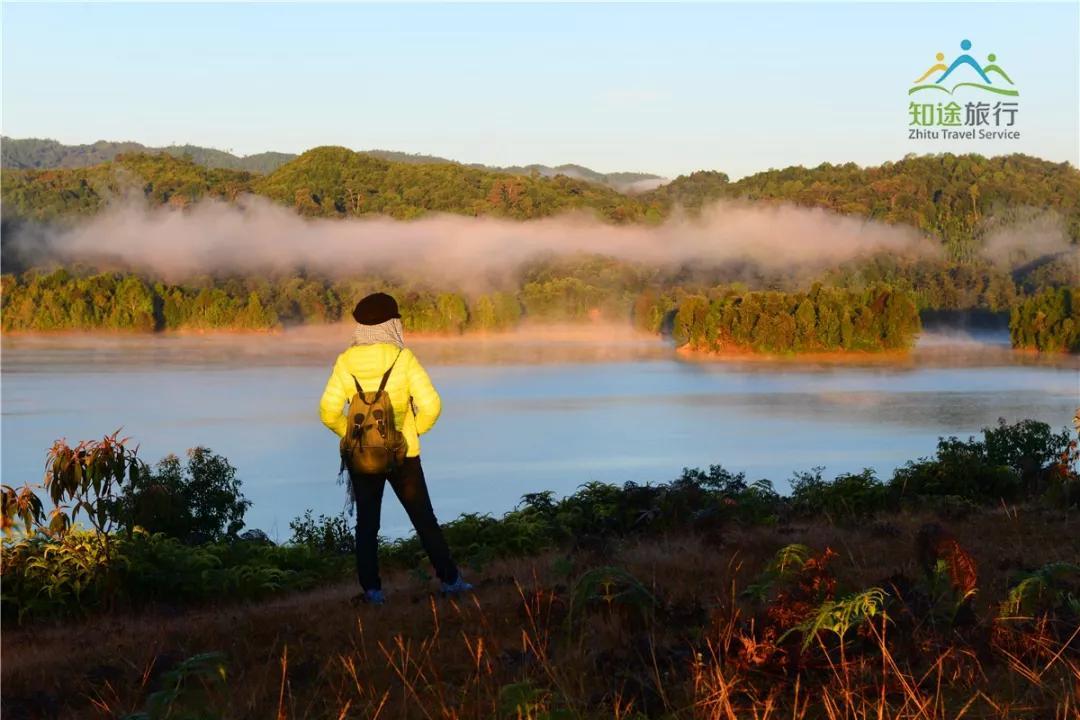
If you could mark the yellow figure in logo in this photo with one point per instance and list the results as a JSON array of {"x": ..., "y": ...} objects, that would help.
[{"x": 939, "y": 67}]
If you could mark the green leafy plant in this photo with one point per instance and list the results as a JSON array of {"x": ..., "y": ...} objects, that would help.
[
  {"x": 1051, "y": 588},
  {"x": 326, "y": 533},
  {"x": 49, "y": 577},
  {"x": 787, "y": 562},
  {"x": 841, "y": 615},
  {"x": 197, "y": 501},
  {"x": 22, "y": 505},
  {"x": 528, "y": 701},
  {"x": 90, "y": 477},
  {"x": 193, "y": 690},
  {"x": 849, "y": 497},
  {"x": 613, "y": 589}
]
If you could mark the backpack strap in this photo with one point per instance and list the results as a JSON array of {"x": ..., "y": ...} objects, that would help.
[
  {"x": 386, "y": 375},
  {"x": 382, "y": 383}
]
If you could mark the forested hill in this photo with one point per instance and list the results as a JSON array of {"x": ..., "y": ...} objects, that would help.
[
  {"x": 623, "y": 181},
  {"x": 333, "y": 181},
  {"x": 38, "y": 154},
  {"x": 66, "y": 193},
  {"x": 324, "y": 182},
  {"x": 948, "y": 196},
  {"x": 41, "y": 154},
  {"x": 955, "y": 198}
]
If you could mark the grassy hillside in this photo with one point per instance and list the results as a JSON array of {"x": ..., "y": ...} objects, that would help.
[
  {"x": 948, "y": 591},
  {"x": 673, "y": 636}
]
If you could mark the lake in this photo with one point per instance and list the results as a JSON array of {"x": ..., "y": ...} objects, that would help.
[{"x": 540, "y": 410}]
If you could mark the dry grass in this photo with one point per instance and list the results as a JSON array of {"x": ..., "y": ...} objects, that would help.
[{"x": 514, "y": 650}]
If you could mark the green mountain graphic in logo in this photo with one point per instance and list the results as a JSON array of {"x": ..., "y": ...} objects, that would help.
[{"x": 990, "y": 78}]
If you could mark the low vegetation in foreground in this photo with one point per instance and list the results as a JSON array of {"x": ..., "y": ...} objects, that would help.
[{"x": 951, "y": 589}]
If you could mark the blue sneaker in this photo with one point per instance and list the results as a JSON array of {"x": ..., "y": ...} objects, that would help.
[
  {"x": 369, "y": 597},
  {"x": 457, "y": 587}
]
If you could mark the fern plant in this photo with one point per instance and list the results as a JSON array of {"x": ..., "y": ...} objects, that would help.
[
  {"x": 947, "y": 597},
  {"x": 787, "y": 562},
  {"x": 614, "y": 588},
  {"x": 1051, "y": 588},
  {"x": 840, "y": 616}
]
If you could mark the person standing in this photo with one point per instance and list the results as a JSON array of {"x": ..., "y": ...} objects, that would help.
[{"x": 378, "y": 358}]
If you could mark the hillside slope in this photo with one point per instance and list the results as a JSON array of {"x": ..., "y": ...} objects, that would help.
[
  {"x": 951, "y": 197},
  {"x": 958, "y": 199},
  {"x": 323, "y": 182},
  {"x": 43, "y": 154},
  {"x": 65, "y": 194},
  {"x": 335, "y": 182}
]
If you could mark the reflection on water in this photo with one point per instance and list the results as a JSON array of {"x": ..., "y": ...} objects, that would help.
[{"x": 541, "y": 410}]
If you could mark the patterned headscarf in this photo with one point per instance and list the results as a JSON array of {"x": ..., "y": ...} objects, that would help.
[{"x": 385, "y": 332}]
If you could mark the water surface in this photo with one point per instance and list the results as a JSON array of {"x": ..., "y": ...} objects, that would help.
[{"x": 545, "y": 410}]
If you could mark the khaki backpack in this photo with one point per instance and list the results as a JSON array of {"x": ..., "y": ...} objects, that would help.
[{"x": 372, "y": 444}]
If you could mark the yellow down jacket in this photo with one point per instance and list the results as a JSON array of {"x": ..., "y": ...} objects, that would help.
[{"x": 408, "y": 381}]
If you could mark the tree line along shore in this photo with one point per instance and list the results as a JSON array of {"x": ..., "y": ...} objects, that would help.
[{"x": 865, "y": 310}]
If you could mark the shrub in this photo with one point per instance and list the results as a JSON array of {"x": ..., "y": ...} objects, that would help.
[
  {"x": 850, "y": 496},
  {"x": 959, "y": 468},
  {"x": 1009, "y": 462},
  {"x": 56, "y": 577},
  {"x": 329, "y": 534},
  {"x": 1029, "y": 447},
  {"x": 197, "y": 501}
]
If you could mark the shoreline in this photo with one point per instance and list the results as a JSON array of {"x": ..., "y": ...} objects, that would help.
[
  {"x": 535, "y": 342},
  {"x": 541, "y": 330},
  {"x": 837, "y": 357}
]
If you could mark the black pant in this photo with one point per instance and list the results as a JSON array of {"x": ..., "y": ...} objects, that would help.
[{"x": 410, "y": 488}]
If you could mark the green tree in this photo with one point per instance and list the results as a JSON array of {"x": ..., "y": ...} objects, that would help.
[{"x": 199, "y": 500}]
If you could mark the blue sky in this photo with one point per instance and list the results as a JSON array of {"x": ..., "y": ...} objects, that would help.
[{"x": 662, "y": 88}]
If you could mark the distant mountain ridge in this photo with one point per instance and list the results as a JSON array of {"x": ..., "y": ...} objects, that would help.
[
  {"x": 622, "y": 181},
  {"x": 326, "y": 181},
  {"x": 42, "y": 154}
]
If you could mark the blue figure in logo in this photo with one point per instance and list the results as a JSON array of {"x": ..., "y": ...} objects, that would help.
[{"x": 965, "y": 59}]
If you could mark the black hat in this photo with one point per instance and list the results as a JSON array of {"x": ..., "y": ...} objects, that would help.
[{"x": 376, "y": 308}]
